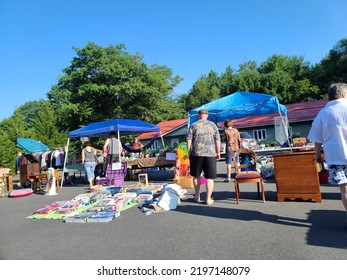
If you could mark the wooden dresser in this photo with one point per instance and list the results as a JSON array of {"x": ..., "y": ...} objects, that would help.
[{"x": 296, "y": 176}]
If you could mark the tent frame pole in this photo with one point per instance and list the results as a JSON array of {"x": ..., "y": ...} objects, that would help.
[{"x": 65, "y": 160}]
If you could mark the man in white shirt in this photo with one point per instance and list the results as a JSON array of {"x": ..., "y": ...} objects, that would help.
[{"x": 329, "y": 130}]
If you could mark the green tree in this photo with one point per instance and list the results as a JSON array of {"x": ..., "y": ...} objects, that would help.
[
  {"x": 332, "y": 68},
  {"x": 227, "y": 83},
  {"x": 201, "y": 93},
  {"x": 7, "y": 151},
  {"x": 107, "y": 83},
  {"x": 248, "y": 78},
  {"x": 45, "y": 127},
  {"x": 11, "y": 129},
  {"x": 30, "y": 110},
  {"x": 287, "y": 78},
  {"x": 204, "y": 90}
]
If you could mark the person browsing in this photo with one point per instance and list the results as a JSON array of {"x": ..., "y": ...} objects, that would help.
[
  {"x": 112, "y": 149},
  {"x": 89, "y": 161},
  {"x": 203, "y": 144},
  {"x": 329, "y": 131},
  {"x": 137, "y": 145},
  {"x": 233, "y": 144}
]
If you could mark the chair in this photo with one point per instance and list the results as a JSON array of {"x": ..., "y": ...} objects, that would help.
[
  {"x": 113, "y": 177},
  {"x": 246, "y": 171}
]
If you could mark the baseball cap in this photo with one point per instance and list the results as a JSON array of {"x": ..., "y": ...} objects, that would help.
[{"x": 203, "y": 111}]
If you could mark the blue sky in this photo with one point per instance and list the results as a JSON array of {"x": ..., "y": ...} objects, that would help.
[{"x": 191, "y": 37}]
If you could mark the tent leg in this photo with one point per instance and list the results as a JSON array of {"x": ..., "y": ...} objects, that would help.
[{"x": 65, "y": 160}]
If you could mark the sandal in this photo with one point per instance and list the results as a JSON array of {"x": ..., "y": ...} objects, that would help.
[
  {"x": 210, "y": 201},
  {"x": 197, "y": 200}
]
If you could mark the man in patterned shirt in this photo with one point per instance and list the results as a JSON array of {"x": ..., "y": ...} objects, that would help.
[
  {"x": 233, "y": 144},
  {"x": 203, "y": 143}
]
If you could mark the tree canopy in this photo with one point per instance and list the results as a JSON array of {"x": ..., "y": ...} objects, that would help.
[
  {"x": 107, "y": 83},
  {"x": 287, "y": 78},
  {"x": 332, "y": 68}
]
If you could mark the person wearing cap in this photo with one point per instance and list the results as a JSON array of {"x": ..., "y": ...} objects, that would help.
[{"x": 203, "y": 144}]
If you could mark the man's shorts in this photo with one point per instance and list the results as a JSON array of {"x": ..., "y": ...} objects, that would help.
[
  {"x": 208, "y": 165},
  {"x": 337, "y": 174},
  {"x": 229, "y": 157}
]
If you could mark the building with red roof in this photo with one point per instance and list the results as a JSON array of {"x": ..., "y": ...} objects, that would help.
[{"x": 300, "y": 117}]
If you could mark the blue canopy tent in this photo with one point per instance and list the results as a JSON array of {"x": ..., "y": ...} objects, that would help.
[
  {"x": 239, "y": 105},
  {"x": 31, "y": 146},
  {"x": 102, "y": 129},
  {"x": 121, "y": 126}
]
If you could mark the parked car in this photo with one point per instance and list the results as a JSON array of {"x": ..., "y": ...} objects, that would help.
[{"x": 247, "y": 141}]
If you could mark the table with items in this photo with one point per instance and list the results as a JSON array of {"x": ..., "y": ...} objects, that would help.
[{"x": 142, "y": 164}]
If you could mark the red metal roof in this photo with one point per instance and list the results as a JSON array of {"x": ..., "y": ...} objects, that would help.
[
  {"x": 165, "y": 127},
  {"x": 304, "y": 111}
]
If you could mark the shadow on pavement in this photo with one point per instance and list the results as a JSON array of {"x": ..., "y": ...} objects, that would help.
[{"x": 325, "y": 227}]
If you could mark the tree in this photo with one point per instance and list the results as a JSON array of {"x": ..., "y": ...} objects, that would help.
[
  {"x": 11, "y": 129},
  {"x": 332, "y": 68},
  {"x": 45, "y": 127},
  {"x": 227, "y": 84},
  {"x": 30, "y": 110},
  {"x": 287, "y": 78},
  {"x": 106, "y": 83},
  {"x": 203, "y": 91},
  {"x": 7, "y": 152},
  {"x": 248, "y": 78}
]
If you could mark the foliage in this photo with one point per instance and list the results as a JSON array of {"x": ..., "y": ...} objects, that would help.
[
  {"x": 332, "y": 68},
  {"x": 30, "y": 110},
  {"x": 287, "y": 78},
  {"x": 107, "y": 83},
  {"x": 206, "y": 89},
  {"x": 10, "y": 130},
  {"x": 45, "y": 127},
  {"x": 34, "y": 120},
  {"x": 227, "y": 82},
  {"x": 7, "y": 152}
]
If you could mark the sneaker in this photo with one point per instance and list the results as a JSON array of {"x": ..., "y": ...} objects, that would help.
[{"x": 227, "y": 180}]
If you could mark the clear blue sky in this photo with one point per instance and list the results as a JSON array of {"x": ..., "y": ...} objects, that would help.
[{"x": 191, "y": 37}]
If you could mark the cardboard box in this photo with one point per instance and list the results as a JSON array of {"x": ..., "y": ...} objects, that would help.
[{"x": 186, "y": 182}]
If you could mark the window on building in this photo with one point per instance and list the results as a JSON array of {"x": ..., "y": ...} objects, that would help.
[
  {"x": 260, "y": 134},
  {"x": 154, "y": 146},
  {"x": 175, "y": 142}
]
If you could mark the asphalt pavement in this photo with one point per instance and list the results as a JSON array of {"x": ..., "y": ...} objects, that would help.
[{"x": 250, "y": 230}]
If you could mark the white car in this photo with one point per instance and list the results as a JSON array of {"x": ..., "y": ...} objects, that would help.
[{"x": 247, "y": 141}]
